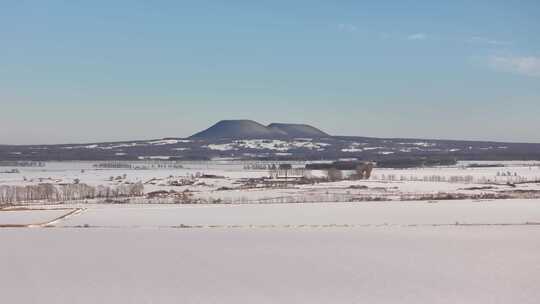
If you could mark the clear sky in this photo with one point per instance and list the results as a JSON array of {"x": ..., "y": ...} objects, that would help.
[{"x": 83, "y": 71}]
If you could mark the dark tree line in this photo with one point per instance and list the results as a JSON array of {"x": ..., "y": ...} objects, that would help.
[{"x": 66, "y": 192}]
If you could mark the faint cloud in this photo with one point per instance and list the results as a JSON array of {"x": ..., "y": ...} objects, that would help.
[
  {"x": 484, "y": 40},
  {"x": 417, "y": 36},
  {"x": 345, "y": 27},
  {"x": 528, "y": 66}
]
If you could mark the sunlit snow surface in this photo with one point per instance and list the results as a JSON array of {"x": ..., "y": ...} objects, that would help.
[
  {"x": 263, "y": 144},
  {"x": 466, "y": 212},
  {"x": 384, "y": 252},
  {"x": 319, "y": 265},
  {"x": 26, "y": 217},
  {"x": 390, "y": 184},
  {"x": 462, "y": 251}
]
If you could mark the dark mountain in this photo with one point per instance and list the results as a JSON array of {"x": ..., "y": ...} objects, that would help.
[
  {"x": 298, "y": 130},
  {"x": 246, "y": 129},
  {"x": 247, "y": 139},
  {"x": 282, "y": 148},
  {"x": 238, "y": 129}
]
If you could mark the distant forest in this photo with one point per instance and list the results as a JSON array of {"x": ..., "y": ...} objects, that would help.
[{"x": 327, "y": 148}]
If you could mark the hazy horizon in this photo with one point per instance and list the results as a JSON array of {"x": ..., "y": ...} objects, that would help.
[
  {"x": 129, "y": 70},
  {"x": 331, "y": 134}
]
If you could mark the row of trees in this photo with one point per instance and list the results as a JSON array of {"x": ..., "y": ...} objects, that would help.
[
  {"x": 466, "y": 179},
  {"x": 426, "y": 178},
  {"x": 66, "y": 192},
  {"x": 21, "y": 163},
  {"x": 151, "y": 164}
]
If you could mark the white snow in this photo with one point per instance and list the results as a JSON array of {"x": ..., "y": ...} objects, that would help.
[
  {"x": 364, "y": 252},
  {"x": 158, "y": 157},
  {"x": 390, "y": 184},
  {"x": 373, "y": 148},
  {"x": 108, "y": 146},
  {"x": 360, "y": 214},
  {"x": 340, "y": 265},
  {"x": 352, "y": 149},
  {"x": 166, "y": 142},
  {"x": 221, "y": 147},
  {"x": 265, "y": 144},
  {"x": 419, "y": 144},
  {"x": 26, "y": 217}
]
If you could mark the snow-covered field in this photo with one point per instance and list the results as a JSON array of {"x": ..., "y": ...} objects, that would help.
[
  {"x": 67, "y": 172},
  {"x": 85, "y": 172},
  {"x": 464, "y": 251},
  {"x": 227, "y": 181},
  {"x": 466, "y": 212},
  {"x": 452, "y": 264},
  {"x": 27, "y": 217}
]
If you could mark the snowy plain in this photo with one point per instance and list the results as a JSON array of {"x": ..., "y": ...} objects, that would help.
[
  {"x": 464, "y": 212},
  {"x": 430, "y": 251},
  {"x": 27, "y": 217},
  {"x": 484, "y": 264},
  {"x": 386, "y": 184}
]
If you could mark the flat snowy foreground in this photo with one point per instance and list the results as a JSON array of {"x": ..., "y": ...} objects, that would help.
[
  {"x": 452, "y": 264},
  {"x": 317, "y": 214},
  {"x": 26, "y": 217},
  {"x": 365, "y": 252}
]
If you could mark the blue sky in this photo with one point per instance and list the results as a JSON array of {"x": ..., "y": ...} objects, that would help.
[{"x": 82, "y": 71}]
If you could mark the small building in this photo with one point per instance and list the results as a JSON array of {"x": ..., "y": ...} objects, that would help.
[{"x": 362, "y": 169}]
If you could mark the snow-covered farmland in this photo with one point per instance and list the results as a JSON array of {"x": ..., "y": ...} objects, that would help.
[
  {"x": 497, "y": 212},
  {"x": 25, "y": 217},
  {"x": 329, "y": 265},
  {"x": 430, "y": 251},
  {"x": 240, "y": 182}
]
